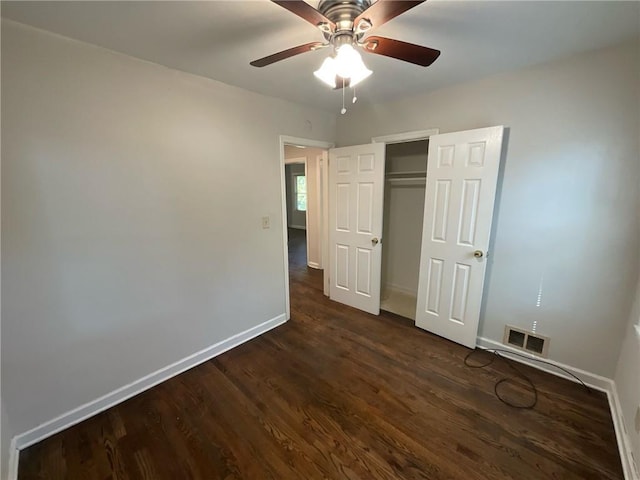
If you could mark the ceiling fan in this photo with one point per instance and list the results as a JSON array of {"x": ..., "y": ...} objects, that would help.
[{"x": 345, "y": 25}]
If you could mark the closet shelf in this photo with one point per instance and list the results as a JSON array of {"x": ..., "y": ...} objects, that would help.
[{"x": 416, "y": 174}]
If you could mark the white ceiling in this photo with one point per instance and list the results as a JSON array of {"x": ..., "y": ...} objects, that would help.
[{"x": 218, "y": 39}]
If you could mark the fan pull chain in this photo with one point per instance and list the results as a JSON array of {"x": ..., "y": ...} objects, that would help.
[
  {"x": 344, "y": 110},
  {"x": 355, "y": 99}
]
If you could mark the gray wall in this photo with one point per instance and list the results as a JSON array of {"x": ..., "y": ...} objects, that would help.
[
  {"x": 566, "y": 220},
  {"x": 5, "y": 441},
  {"x": 132, "y": 198},
  {"x": 295, "y": 218}
]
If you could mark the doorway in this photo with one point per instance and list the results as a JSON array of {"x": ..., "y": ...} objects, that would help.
[
  {"x": 404, "y": 193},
  {"x": 297, "y": 196},
  {"x": 303, "y": 183}
]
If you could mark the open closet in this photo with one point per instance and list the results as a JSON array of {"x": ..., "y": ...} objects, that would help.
[
  {"x": 404, "y": 196},
  {"x": 410, "y": 237}
]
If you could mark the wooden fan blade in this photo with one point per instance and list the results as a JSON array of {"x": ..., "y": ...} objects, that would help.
[
  {"x": 384, "y": 10},
  {"x": 276, "y": 57},
  {"x": 307, "y": 12},
  {"x": 408, "y": 52}
]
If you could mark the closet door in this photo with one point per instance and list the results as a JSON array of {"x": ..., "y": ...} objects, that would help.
[
  {"x": 356, "y": 189},
  {"x": 461, "y": 184}
]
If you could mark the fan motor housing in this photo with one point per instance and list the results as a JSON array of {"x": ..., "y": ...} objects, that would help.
[{"x": 343, "y": 12}]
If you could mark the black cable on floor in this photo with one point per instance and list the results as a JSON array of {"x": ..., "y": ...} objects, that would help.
[{"x": 496, "y": 353}]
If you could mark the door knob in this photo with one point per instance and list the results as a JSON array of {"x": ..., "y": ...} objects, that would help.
[
  {"x": 375, "y": 241},
  {"x": 478, "y": 254}
]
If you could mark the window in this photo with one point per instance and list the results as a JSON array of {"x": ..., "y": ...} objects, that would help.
[{"x": 300, "y": 186}]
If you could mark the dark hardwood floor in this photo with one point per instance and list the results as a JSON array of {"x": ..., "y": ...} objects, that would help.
[{"x": 338, "y": 394}]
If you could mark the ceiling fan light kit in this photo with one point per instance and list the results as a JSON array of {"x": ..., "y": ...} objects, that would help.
[
  {"x": 347, "y": 64},
  {"x": 344, "y": 25}
]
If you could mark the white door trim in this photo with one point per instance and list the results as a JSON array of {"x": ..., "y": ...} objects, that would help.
[
  {"x": 318, "y": 174},
  {"x": 325, "y": 221},
  {"x": 304, "y": 142},
  {"x": 406, "y": 136},
  {"x": 306, "y": 212}
]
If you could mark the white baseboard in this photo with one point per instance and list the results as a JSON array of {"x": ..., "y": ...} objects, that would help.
[
  {"x": 629, "y": 467},
  {"x": 593, "y": 380},
  {"x": 399, "y": 289},
  {"x": 14, "y": 456},
  {"x": 98, "y": 405}
]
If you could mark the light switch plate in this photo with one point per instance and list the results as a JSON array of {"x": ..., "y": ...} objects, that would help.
[{"x": 266, "y": 222}]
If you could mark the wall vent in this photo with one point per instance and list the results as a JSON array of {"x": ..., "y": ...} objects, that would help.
[
  {"x": 525, "y": 340},
  {"x": 516, "y": 338}
]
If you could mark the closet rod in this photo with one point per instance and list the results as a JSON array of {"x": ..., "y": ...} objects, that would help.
[{"x": 407, "y": 181}]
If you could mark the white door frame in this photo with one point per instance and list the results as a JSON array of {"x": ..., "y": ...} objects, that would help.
[
  {"x": 303, "y": 142},
  {"x": 403, "y": 137},
  {"x": 325, "y": 221}
]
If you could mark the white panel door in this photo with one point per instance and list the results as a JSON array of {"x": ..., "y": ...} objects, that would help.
[
  {"x": 356, "y": 187},
  {"x": 461, "y": 185}
]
